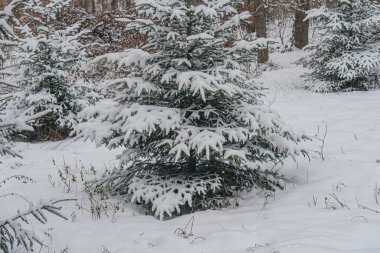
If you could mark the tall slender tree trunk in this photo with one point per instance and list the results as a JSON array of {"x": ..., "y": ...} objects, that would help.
[
  {"x": 93, "y": 6},
  {"x": 87, "y": 5},
  {"x": 301, "y": 27},
  {"x": 114, "y": 5},
  {"x": 331, "y": 3},
  {"x": 261, "y": 29},
  {"x": 192, "y": 165}
]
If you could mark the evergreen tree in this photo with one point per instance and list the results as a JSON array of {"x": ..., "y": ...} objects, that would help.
[
  {"x": 347, "y": 53},
  {"x": 190, "y": 117},
  {"x": 49, "y": 62}
]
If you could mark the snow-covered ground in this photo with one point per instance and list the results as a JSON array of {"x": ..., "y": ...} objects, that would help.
[{"x": 329, "y": 206}]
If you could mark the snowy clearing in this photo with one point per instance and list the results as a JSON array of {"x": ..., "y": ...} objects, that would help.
[{"x": 329, "y": 206}]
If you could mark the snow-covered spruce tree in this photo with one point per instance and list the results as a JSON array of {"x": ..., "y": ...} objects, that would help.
[
  {"x": 49, "y": 64},
  {"x": 191, "y": 120},
  {"x": 346, "y": 56}
]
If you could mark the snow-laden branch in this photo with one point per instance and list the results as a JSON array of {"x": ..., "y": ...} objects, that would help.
[
  {"x": 8, "y": 84},
  {"x": 21, "y": 122},
  {"x": 13, "y": 233},
  {"x": 127, "y": 58}
]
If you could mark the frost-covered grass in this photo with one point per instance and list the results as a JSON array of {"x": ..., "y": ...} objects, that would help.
[{"x": 320, "y": 211}]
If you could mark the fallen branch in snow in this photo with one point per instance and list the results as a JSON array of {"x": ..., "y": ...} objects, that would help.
[
  {"x": 17, "y": 177},
  {"x": 7, "y": 151},
  {"x": 12, "y": 233}
]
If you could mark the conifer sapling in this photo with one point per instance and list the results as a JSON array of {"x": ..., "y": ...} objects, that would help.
[
  {"x": 346, "y": 55},
  {"x": 192, "y": 122}
]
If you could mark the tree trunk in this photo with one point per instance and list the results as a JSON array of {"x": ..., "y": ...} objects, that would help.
[
  {"x": 331, "y": 3},
  {"x": 192, "y": 166},
  {"x": 301, "y": 27},
  {"x": 114, "y": 5},
  {"x": 93, "y": 6},
  {"x": 261, "y": 29},
  {"x": 250, "y": 7}
]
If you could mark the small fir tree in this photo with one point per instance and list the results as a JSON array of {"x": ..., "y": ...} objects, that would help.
[
  {"x": 346, "y": 55},
  {"x": 190, "y": 117},
  {"x": 49, "y": 62}
]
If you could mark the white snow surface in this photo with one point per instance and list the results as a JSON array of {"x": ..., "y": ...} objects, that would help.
[{"x": 297, "y": 220}]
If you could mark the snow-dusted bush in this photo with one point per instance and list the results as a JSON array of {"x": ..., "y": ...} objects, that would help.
[
  {"x": 49, "y": 63},
  {"x": 190, "y": 117},
  {"x": 347, "y": 53}
]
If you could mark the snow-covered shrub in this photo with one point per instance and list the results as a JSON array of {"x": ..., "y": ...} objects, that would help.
[
  {"x": 189, "y": 115},
  {"x": 49, "y": 66},
  {"x": 346, "y": 55}
]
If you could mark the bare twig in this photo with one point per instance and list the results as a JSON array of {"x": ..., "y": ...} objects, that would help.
[
  {"x": 357, "y": 217},
  {"x": 366, "y": 207},
  {"x": 322, "y": 140},
  {"x": 196, "y": 238},
  {"x": 338, "y": 201}
]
